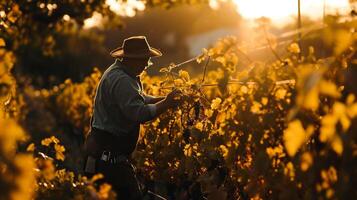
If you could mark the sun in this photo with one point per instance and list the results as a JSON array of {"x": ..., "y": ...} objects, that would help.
[
  {"x": 285, "y": 10},
  {"x": 273, "y": 9}
]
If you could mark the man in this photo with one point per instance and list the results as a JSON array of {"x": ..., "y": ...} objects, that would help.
[{"x": 120, "y": 106}]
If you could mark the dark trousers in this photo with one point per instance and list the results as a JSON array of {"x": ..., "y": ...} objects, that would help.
[{"x": 122, "y": 178}]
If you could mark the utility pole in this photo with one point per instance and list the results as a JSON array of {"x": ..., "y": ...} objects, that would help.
[
  {"x": 299, "y": 28},
  {"x": 323, "y": 52},
  {"x": 324, "y": 12}
]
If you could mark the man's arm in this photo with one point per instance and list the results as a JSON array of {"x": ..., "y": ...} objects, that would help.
[
  {"x": 130, "y": 102},
  {"x": 133, "y": 105},
  {"x": 149, "y": 99}
]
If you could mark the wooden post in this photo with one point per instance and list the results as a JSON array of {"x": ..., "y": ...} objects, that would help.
[{"x": 299, "y": 28}]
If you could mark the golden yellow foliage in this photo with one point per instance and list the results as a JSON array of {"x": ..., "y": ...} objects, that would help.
[
  {"x": 329, "y": 88},
  {"x": 329, "y": 177},
  {"x": 256, "y": 107},
  {"x": 306, "y": 161},
  {"x": 327, "y": 130},
  {"x": 344, "y": 39},
  {"x": 16, "y": 168},
  {"x": 215, "y": 103},
  {"x": 309, "y": 77},
  {"x": 289, "y": 171},
  {"x": 11, "y": 132},
  {"x": 337, "y": 145},
  {"x": 178, "y": 82},
  {"x": 104, "y": 191},
  {"x": 294, "y": 48},
  {"x": 2, "y": 42},
  {"x": 224, "y": 150},
  {"x": 184, "y": 75},
  {"x": 265, "y": 101},
  {"x": 280, "y": 93},
  {"x": 46, "y": 141},
  {"x": 277, "y": 151},
  {"x": 295, "y": 136},
  {"x": 25, "y": 181},
  {"x": 31, "y": 147},
  {"x": 244, "y": 89},
  {"x": 49, "y": 141},
  {"x": 224, "y": 137},
  {"x": 59, "y": 152},
  {"x": 199, "y": 126}
]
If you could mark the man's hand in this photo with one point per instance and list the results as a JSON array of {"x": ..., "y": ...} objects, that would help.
[{"x": 174, "y": 98}]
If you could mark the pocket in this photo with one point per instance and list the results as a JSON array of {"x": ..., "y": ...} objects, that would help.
[{"x": 90, "y": 165}]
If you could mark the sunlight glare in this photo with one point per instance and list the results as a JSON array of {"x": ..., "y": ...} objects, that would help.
[
  {"x": 281, "y": 11},
  {"x": 94, "y": 21},
  {"x": 125, "y": 8}
]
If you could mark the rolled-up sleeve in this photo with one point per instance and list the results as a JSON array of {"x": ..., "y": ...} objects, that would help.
[{"x": 130, "y": 102}]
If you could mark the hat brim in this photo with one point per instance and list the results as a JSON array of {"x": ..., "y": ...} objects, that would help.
[{"x": 119, "y": 53}]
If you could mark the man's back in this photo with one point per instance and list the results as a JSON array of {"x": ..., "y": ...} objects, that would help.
[{"x": 107, "y": 115}]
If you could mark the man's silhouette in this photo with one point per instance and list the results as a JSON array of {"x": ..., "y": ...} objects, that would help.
[{"x": 120, "y": 106}]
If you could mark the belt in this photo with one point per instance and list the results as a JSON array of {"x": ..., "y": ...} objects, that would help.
[
  {"x": 99, "y": 140},
  {"x": 106, "y": 156},
  {"x": 111, "y": 157}
]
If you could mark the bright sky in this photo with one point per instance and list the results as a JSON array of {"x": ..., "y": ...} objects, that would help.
[{"x": 280, "y": 11}]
